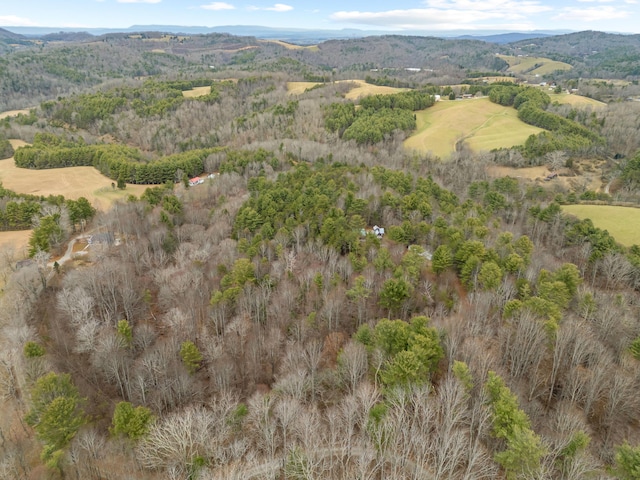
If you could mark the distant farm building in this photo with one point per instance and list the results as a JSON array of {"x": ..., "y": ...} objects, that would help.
[{"x": 195, "y": 181}]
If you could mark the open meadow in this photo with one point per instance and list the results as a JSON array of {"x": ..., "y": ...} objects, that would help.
[
  {"x": 576, "y": 100},
  {"x": 292, "y": 46},
  {"x": 621, "y": 222},
  {"x": 16, "y": 242},
  {"x": 534, "y": 65},
  {"x": 298, "y": 88},
  {"x": 362, "y": 88},
  {"x": 196, "y": 92},
  {"x": 72, "y": 182},
  {"x": 483, "y": 125},
  {"x": 14, "y": 113}
]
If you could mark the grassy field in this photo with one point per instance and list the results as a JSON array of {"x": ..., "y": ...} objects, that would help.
[
  {"x": 575, "y": 100},
  {"x": 72, "y": 182},
  {"x": 291, "y": 46},
  {"x": 484, "y": 125},
  {"x": 196, "y": 92},
  {"x": 17, "y": 241},
  {"x": 13, "y": 113},
  {"x": 527, "y": 65},
  {"x": 362, "y": 89},
  {"x": 298, "y": 88},
  {"x": 621, "y": 222}
]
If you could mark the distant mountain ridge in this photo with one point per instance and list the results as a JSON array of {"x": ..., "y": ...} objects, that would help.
[
  {"x": 297, "y": 35},
  {"x": 504, "y": 38}
]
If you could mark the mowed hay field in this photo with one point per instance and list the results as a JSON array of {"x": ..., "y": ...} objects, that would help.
[
  {"x": 72, "y": 182},
  {"x": 292, "y": 46},
  {"x": 482, "y": 124},
  {"x": 362, "y": 88},
  {"x": 527, "y": 65},
  {"x": 298, "y": 88},
  {"x": 196, "y": 92},
  {"x": 621, "y": 222},
  {"x": 576, "y": 100},
  {"x": 17, "y": 241}
]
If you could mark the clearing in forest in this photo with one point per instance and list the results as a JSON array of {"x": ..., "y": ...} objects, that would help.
[
  {"x": 364, "y": 89},
  {"x": 196, "y": 92},
  {"x": 621, "y": 222},
  {"x": 13, "y": 113},
  {"x": 298, "y": 88},
  {"x": 482, "y": 124},
  {"x": 533, "y": 65},
  {"x": 292, "y": 46},
  {"x": 576, "y": 100},
  {"x": 16, "y": 241},
  {"x": 72, "y": 182},
  {"x": 361, "y": 89}
]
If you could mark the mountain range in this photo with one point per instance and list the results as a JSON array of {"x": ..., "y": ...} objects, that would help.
[{"x": 296, "y": 35}]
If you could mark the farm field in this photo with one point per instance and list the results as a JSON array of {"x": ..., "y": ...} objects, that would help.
[
  {"x": 482, "y": 124},
  {"x": 298, "y": 88},
  {"x": 527, "y": 65},
  {"x": 72, "y": 182},
  {"x": 18, "y": 241},
  {"x": 291, "y": 46},
  {"x": 621, "y": 222},
  {"x": 196, "y": 92},
  {"x": 362, "y": 89},
  {"x": 576, "y": 100}
]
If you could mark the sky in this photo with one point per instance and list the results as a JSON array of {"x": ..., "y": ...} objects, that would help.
[{"x": 436, "y": 16}]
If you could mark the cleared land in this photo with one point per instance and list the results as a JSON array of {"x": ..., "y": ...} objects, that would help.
[
  {"x": 621, "y": 222},
  {"x": 291, "y": 46},
  {"x": 72, "y": 182},
  {"x": 298, "y": 88},
  {"x": 362, "y": 88},
  {"x": 13, "y": 113},
  {"x": 483, "y": 125},
  {"x": 533, "y": 65},
  {"x": 576, "y": 100},
  {"x": 17, "y": 241},
  {"x": 196, "y": 92}
]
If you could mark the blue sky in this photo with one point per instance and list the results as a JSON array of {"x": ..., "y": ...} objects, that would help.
[{"x": 437, "y": 16}]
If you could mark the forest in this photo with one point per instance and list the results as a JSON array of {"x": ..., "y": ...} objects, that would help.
[{"x": 256, "y": 326}]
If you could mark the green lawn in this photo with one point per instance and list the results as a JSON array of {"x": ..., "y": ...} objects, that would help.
[
  {"x": 621, "y": 222},
  {"x": 484, "y": 125}
]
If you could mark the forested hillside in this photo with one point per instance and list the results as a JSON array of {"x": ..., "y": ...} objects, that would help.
[{"x": 255, "y": 322}]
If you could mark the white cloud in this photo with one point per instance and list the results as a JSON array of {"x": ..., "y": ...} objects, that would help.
[
  {"x": 521, "y": 6},
  {"x": 280, "y": 7},
  {"x": 591, "y": 14},
  {"x": 138, "y": 1},
  {"x": 218, "y": 6},
  {"x": 452, "y": 14},
  {"x": 15, "y": 21},
  {"x": 596, "y": 1}
]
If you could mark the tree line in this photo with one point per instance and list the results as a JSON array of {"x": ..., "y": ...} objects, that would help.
[
  {"x": 377, "y": 116},
  {"x": 562, "y": 133}
]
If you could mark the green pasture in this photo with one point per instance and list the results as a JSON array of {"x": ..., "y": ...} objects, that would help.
[
  {"x": 575, "y": 100},
  {"x": 527, "y": 65},
  {"x": 621, "y": 222},
  {"x": 482, "y": 124}
]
